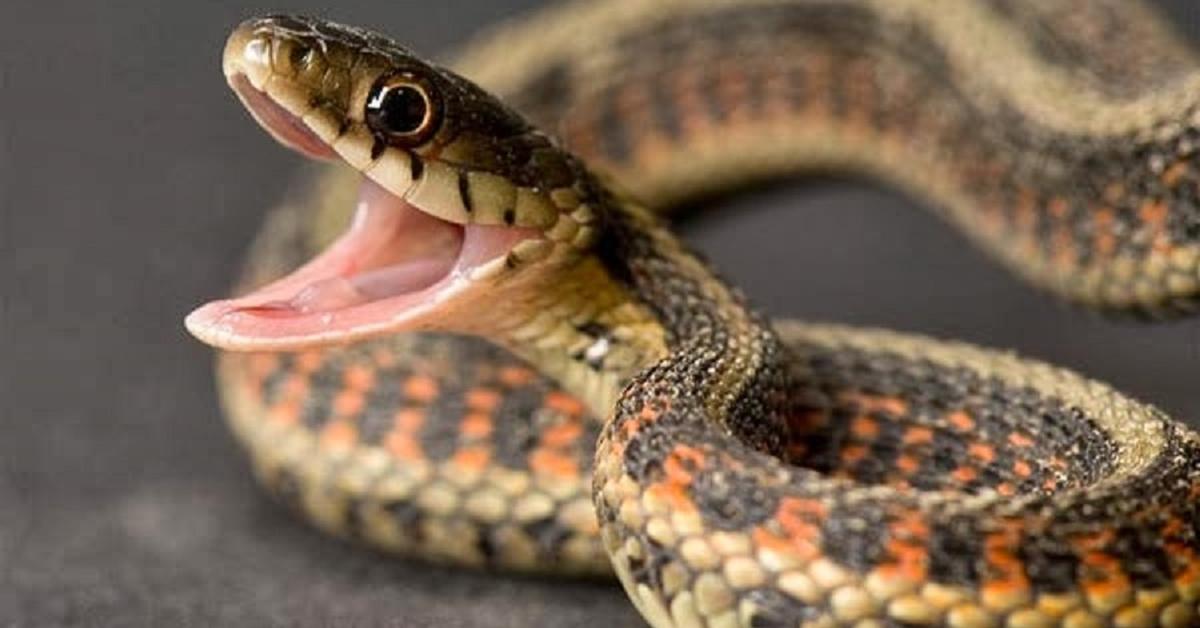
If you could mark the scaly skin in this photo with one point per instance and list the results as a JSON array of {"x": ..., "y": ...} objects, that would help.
[{"x": 745, "y": 476}]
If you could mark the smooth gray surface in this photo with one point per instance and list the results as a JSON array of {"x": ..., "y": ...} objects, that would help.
[{"x": 130, "y": 183}]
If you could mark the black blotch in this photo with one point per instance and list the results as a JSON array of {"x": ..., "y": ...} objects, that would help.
[
  {"x": 510, "y": 216},
  {"x": 616, "y": 144},
  {"x": 955, "y": 548},
  {"x": 593, "y": 329},
  {"x": 377, "y": 147},
  {"x": 273, "y": 383},
  {"x": 287, "y": 491},
  {"x": 519, "y": 436},
  {"x": 416, "y": 166},
  {"x": 854, "y": 533},
  {"x": 486, "y": 546},
  {"x": 1143, "y": 557},
  {"x": 773, "y": 609},
  {"x": 352, "y": 519},
  {"x": 408, "y": 518},
  {"x": 730, "y": 500},
  {"x": 1050, "y": 564},
  {"x": 548, "y": 533},
  {"x": 318, "y": 405},
  {"x": 464, "y": 191}
]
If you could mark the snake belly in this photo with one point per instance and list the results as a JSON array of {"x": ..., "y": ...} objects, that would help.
[{"x": 844, "y": 476}]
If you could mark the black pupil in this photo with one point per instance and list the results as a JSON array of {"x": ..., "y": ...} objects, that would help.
[{"x": 401, "y": 109}]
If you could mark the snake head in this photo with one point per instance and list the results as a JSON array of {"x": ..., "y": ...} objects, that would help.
[{"x": 459, "y": 193}]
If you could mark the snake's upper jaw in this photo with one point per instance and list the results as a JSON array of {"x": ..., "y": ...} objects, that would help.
[
  {"x": 395, "y": 269},
  {"x": 285, "y": 127}
]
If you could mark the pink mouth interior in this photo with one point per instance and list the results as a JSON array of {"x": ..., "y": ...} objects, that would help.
[
  {"x": 284, "y": 126},
  {"x": 393, "y": 260},
  {"x": 391, "y": 249}
]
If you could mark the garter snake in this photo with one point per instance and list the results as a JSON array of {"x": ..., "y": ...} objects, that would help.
[{"x": 630, "y": 411}]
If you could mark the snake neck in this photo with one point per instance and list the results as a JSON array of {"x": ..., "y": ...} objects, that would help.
[
  {"x": 724, "y": 365},
  {"x": 639, "y": 320}
]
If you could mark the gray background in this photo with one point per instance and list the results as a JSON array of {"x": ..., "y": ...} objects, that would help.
[{"x": 130, "y": 184}]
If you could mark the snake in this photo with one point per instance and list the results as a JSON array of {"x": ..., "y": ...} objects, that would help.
[{"x": 473, "y": 337}]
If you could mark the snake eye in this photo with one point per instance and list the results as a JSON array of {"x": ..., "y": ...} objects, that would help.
[{"x": 400, "y": 107}]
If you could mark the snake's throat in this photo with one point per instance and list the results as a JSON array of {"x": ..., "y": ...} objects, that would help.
[{"x": 395, "y": 268}]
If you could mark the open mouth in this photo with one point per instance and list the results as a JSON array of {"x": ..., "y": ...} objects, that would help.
[{"x": 395, "y": 267}]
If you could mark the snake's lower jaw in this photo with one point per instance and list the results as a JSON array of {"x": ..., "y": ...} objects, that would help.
[{"x": 396, "y": 269}]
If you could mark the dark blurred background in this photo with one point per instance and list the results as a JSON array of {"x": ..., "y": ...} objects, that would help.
[{"x": 131, "y": 183}]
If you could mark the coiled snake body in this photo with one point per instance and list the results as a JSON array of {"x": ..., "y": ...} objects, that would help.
[{"x": 795, "y": 475}]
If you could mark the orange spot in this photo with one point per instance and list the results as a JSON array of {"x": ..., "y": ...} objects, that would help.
[
  {"x": 348, "y": 403},
  {"x": 1063, "y": 244},
  {"x": 384, "y": 358},
  {"x": 402, "y": 446},
  {"x": 1153, "y": 213},
  {"x": 918, "y": 435},
  {"x": 800, "y": 520},
  {"x": 961, "y": 420},
  {"x": 1189, "y": 575},
  {"x": 483, "y": 399},
  {"x": 964, "y": 474},
  {"x": 295, "y": 387},
  {"x": 339, "y": 434},
  {"x": 1058, "y": 207},
  {"x": 564, "y": 403},
  {"x": 908, "y": 534},
  {"x": 1174, "y": 173},
  {"x": 549, "y": 462},
  {"x": 1022, "y": 469},
  {"x": 648, "y": 414},
  {"x": 359, "y": 377},
  {"x": 262, "y": 364},
  {"x": 409, "y": 420},
  {"x": 308, "y": 361},
  {"x": 516, "y": 376},
  {"x": 1018, "y": 439},
  {"x": 562, "y": 435},
  {"x": 285, "y": 412},
  {"x": 853, "y": 453},
  {"x": 1006, "y": 571},
  {"x": 907, "y": 464},
  {"x": 673, "y": 494},
  {"x": 1103, "y": 239},
  {"x": 1006, "y": 489},
  {"x": 421, "y": 388},
  {"x": 476, "y": 425},
  {"x": 865, "y": 428},
  {"x": 472, "y": 457},
  {"x": 894, "y": 406},
  {"x": 679, "y": 464},
  {"x": 982, "y": 451},
  {"x": 800, "y": 548}
]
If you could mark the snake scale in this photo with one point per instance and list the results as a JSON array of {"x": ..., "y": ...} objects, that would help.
[{"x": 629, "y": 411}]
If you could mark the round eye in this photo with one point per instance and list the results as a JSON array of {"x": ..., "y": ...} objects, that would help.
[{"x": 400, "y": 107}]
